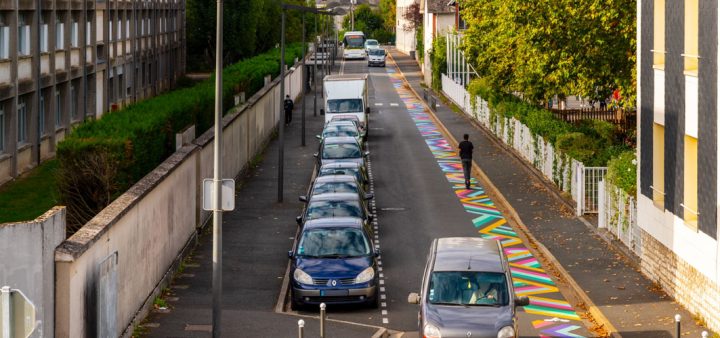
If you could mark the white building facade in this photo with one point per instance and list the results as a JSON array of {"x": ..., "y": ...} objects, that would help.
[
  {"x": 404, "y": 32},
  {"x": 678, "y": 190}
]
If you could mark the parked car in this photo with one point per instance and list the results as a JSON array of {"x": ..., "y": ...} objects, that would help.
[
  {"x": 331, "y": 205},
  {"x": 340, "y": 149},
  {"x": 336, "y": 184},
  {"x": 376, "y": 57},
  {"x": 467, "y": 291},
  {"x": 346, "y": 168},
  {"x": 371, "y": 44},
  {"x": 342, "y": 129},
  {"x": 353, "y": 119},
  {"x": 334, "y": 261}
]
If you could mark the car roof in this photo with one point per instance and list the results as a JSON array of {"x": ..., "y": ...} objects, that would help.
[
  {"x": 467, "y": 254},
  {"x": 345, "y": 117},
  {"x": 342, "y": 123},
  {"x": 340, "y": 165},
  {"x": 368, "y": 40},
  {"x": 335, "y": 178},
  {"x": 336, "y": 196},
  {"x": 340, "y": 139},
  {"x": 331, "y": 222}
]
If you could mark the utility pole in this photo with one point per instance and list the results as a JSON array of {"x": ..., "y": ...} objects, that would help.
[
  {"x": 281, "y": 123},
  {"x": 304, "y": 82}
]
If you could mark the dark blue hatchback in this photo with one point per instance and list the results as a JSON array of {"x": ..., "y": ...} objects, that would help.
[{"x": 334, "y": 262}]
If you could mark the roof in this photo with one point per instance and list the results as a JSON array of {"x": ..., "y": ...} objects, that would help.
[
  {"x": 467, "y": 254},
  {"x": 336, "y": 77},
  {"x": 439, "y": 6},
  {"x": 335, "y": 178},
  {"x": 336, "y": 196},
  {"x": 340, "y": 165},
  {"x": 339, "y": 139},
  {"x": 334, "y": 222}
]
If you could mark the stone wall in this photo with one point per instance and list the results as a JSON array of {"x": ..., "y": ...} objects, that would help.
[{"x": 692, "y": 289}]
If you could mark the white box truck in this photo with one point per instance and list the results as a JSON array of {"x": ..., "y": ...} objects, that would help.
[{"x": 347, "y": 94}]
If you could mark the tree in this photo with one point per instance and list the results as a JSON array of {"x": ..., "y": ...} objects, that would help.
[
  {"x": 544, "y": 48},
  {"x": 387, "y": 12},
  {"x": 371, "y": 22}
]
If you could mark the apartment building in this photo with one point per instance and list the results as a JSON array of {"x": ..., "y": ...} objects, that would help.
[
  {"x": 66, "y": 61},
  {"x": 404, "y": 30},
  {"x": 678, "y": 190}
]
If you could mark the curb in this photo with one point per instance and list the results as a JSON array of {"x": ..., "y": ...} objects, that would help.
[{"x": 598, "y": 318}]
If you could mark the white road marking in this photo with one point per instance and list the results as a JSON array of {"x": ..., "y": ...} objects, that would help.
[
  {"x": 378, "y": 104},
  {"x": 393, "y": 104}
]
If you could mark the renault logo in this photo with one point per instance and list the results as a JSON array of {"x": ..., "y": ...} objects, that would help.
[
  {"x": 334, "y": 282},
  {"x": 469, "y": 334}
]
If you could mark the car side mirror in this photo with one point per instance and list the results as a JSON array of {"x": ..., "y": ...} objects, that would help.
[
  {"x": 318, "y": 137},
  {"x": 522, "y": 301},
  {"x": 290, "y": 254},
  {"x": 414, "y": 298},
  {"x": 322, "y": 111},
  {"x": 369, "y": 196},
  {"x": 303, "y": 199},
  {"x": 377, "y": 252},
  {"x": 371, "y": 218},
  {"x": 298, "y": 220},
  {"x": 316, "y": 154},
  {"x": 366, "y": 154},
  {"x": 367, "y": 110}
]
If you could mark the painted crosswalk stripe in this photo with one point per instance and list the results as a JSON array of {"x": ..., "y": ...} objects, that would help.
[{"x": 393, "y": 104}]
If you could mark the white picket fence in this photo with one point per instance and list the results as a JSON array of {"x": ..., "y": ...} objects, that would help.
[
  {"x": 569, "y": 175},
  {"x": 618, "y": 213}
]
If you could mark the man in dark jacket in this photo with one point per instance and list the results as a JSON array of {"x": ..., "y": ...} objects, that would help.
[
  {"x": 466, "y": 149},
  {"x": 288, "y": 109}
]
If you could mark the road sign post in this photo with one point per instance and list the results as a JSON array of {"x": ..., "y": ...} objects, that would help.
[{"x": 17, "y": 314}]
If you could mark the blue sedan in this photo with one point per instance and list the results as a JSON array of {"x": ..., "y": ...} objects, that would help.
[{"x": 334, "y": 262}]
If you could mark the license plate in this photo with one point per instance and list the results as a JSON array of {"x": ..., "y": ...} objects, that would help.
[{"x": 333, "y": 293}]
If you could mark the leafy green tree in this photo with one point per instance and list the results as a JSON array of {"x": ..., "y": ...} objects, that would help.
[
  {"x": 388, "y": 9},
  {"x": 371, "y": 22},
  {"x": 543, "y": 48}
]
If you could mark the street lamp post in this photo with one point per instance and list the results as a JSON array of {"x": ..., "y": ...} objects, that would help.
[
  {"x": 217, "y": 180},
  {"x": 304, "y": 82},
  {"x": 315, "y": 73},
  {"x": 352, "y": 14},
  {"x": 281, "y": 123}
]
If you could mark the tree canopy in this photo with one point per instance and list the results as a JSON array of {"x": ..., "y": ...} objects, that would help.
[
  {"x": 372, "y": 22},
  {"x": 543, "y": 48}
]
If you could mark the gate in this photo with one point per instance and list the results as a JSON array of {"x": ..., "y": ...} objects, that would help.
[{"x": 588, "y": 183}]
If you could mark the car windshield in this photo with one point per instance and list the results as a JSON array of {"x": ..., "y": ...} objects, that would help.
[
  {"x": 331, "y": 187},
  {"x": 344, "y": 106},
  {"x": 371, "y": 43},
  {"x": 325, "y": 209},
  {"x": 340, "y": 171},
  {"x": 340, "y": 150},
  {"x": 350, "y": 118},
  {"x": 468, "y": 288},
  {"x": 377, "y": 52},
  {"x": 354, "y": 41},
  {"x": 339, "y": 130},
  {"x": 333, "y": 242}
]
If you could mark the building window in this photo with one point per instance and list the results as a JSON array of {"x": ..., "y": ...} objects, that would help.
[
  {"x": 58, "y": 109},
  {"x": 658, "y": 183},
  {"x": 690, "y": 196},
  {"x": 4, "y": 42},
  {"x": 73, "y": 102},
  {"x": 23, "y": 36},
  {"x": 43, "y": 38},
  {"x": 59, "y": 34},
  {"x": 88, "y": 32},
  {"x": 127, "y": 28},
  {"x": 691, "y": 37},
  {"x": 74, "y": 35},
  {"x": 22, "y": 122},
  {"x": 659, "y": 34},
  {"x": 110, "y": 31},
  {"x": 119, "y": 29},
  {"x": 2, "y": 129},
  {"x": 41, "y": 111}
]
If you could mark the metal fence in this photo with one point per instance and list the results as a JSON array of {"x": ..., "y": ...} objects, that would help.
[
  {"x": 625, "y": 121},
  {"x": 588, "y": 183},
  {"x": 617, "y": 211}
]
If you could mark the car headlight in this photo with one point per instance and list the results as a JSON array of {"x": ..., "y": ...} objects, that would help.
[
  {"x": 506, "y": 332},
  {"x": 431, "y": 331},
  {"x": 302, "y": 277},
  {"x": 365, "y": 276}
]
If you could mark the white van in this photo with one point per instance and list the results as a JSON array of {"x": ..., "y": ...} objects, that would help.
[{"x": 347, "y": 95}]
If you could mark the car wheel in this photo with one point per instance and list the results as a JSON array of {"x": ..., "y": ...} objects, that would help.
[
  {"x": 295, "y": 305},
  {"x": 375, "y": 302}
]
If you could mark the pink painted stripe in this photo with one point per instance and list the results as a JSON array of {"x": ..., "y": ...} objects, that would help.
[
  {"x": 541, "y": 275},
  {"x": 563, "y": 306},
  {"x": 525, "y": 261}
]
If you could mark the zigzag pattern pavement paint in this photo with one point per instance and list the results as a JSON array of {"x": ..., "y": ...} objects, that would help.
[{"x": 551, "y": 314}]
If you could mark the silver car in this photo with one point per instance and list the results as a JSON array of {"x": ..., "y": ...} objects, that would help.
[{"x": 467, "y": 291}]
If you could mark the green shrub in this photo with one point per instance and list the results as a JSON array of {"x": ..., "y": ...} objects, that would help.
[
  {"x": 622, "y": 172},
  {"x": 124, "y": 146},
  {"x": 438, "y": 62}
]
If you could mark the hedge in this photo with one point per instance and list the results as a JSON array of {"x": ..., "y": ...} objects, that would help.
[
  {"x": 129, "y": 143},
  {"x": 622, "y": 172},
  {"x": 592, "y": 142}
]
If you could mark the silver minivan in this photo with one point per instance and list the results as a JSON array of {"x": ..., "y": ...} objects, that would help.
[{"x": 467, "y": 291}]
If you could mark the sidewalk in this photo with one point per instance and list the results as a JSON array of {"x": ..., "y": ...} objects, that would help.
[
  {"x": 256, "y": 238},
  {"x": 634, "y": 305}
]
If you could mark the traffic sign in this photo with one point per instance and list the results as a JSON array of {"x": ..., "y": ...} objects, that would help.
[
  {"x": 17, "y": 314},
  {"x": 228, "y": 194}
]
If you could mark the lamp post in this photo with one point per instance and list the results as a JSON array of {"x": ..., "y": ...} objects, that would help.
[
  {"x": 217, "y": 180},
  {"x": 281, "y": 122},
  {"x": 352, "y": 14},
  {"x": 304, "y": 82}
]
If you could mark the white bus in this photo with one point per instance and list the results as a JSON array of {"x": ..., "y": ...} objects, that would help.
[{"x": 354, "y": 45}]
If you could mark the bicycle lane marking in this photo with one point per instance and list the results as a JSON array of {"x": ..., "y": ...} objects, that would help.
[{"x": 550, "y": 313}]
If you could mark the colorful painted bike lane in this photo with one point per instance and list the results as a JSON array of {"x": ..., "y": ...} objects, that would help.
[{"x": 550, "y": 314}]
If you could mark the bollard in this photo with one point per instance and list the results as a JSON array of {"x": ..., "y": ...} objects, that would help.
[
  {"x": 425, "y": 94},
  {"x": 705, "y": 334},
  {"x": 301, "y": 328},
  {"x": 677, "y": 326},
  {"x": 322, "y": 319}
]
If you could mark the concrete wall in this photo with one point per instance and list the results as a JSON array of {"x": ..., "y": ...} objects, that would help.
[
  {"x": 27, "y": 264},
  {"x": 110, "y": 268},
  {"x": 404, "y": 40}
]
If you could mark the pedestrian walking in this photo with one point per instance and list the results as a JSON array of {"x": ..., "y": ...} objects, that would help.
[
  {"x": 288, "y": 109},
  {"x": 466, "y": 149}
]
